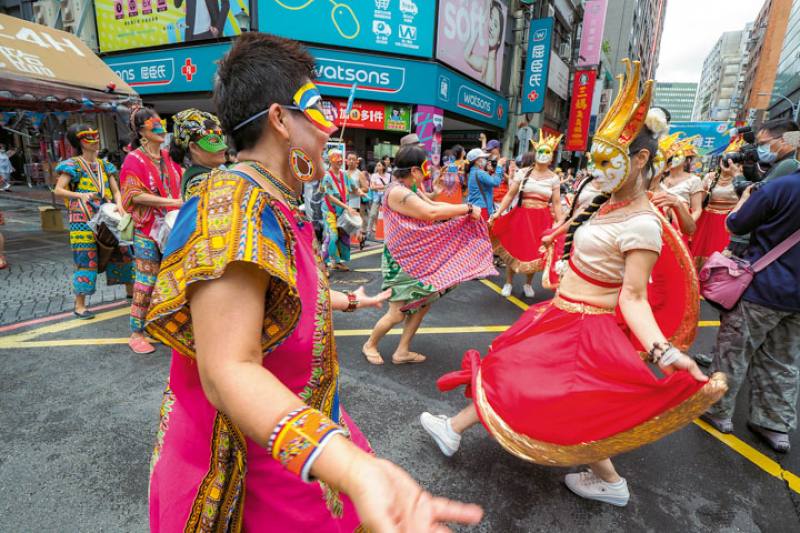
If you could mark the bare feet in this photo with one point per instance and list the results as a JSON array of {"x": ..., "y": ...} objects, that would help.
[
  {"x": 409, "y": 358},
  {"x": 372, "y": 354}
]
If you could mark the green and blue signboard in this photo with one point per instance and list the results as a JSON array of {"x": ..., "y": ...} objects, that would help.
[
  {"x": 392, "y": 26},
  {"x": 537, "y": 65},
  {"x": 379, "y": 78},
  {"x": 714, "y": 136}
]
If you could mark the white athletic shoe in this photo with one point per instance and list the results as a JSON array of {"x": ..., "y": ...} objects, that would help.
[
  {"x": 507, "y": 288},
  {"x": 528, "y": 290},
  {"x": 438, "y": 427},
  {"x": 588, "y": 485}
]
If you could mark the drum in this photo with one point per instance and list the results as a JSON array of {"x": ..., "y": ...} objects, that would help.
[{"x": 350, "y": 224}]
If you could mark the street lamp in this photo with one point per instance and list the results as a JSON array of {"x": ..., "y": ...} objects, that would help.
[{"x": 795, "y": 107}]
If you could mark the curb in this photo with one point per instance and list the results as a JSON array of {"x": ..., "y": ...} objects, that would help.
[{"x": 10, "y": 196}]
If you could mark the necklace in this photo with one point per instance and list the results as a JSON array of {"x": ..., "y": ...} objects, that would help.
[
  {"x": 609, "y": 207},
  {"x": 288, "y": 195},
  {"x": 149, "y": 154}
]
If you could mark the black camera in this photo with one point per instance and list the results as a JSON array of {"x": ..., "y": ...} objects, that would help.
[{"x": 747, "y": 157}]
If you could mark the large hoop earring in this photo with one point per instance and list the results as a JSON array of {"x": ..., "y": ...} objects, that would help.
[{"x": 301, "y": 165}]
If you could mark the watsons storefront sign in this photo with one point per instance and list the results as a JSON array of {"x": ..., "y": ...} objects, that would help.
[{"x": 191, "y": 70}]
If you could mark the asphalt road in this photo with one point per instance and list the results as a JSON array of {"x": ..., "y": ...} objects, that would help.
[{"x": 79, "y": 415}]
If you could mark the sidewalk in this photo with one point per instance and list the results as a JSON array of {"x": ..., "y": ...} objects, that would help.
[{"x": 22, "y": 193}]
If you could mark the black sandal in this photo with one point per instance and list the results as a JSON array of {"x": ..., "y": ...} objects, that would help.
[{"x": 86, "y": 315}]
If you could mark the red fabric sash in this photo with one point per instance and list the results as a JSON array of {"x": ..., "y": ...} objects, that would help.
[
  {"x": 340, "y": 187},
  {"x": 591, "y": 280}
]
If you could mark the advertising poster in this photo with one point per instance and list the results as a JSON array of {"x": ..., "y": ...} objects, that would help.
[
  {"x": 580, "y": 113},
  {"x": 537, "y": 64},
  {"x": 594, "y": 20},
  {"x": 714, "y": 136},
  {"x": 130, "y": 24},
  {"x": 396, "y": 26},
  {"x": 471, "y": 34},
  {"x": 372, "y": 116}
]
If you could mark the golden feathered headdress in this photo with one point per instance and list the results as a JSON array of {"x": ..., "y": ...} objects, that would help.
[
  {"x": 625, "y": 119},
  {"x": 735, "y": 145},
  {"x": 545, "y": 139}
]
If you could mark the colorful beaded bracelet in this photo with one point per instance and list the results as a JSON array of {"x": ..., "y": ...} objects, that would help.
[{"x": 299, "y": 438}]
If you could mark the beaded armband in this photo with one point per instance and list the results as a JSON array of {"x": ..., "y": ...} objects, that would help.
[{"x": 299, "y": 438}]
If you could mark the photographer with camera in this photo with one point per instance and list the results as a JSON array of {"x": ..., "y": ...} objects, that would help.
[{"x": 760, "y": 336}]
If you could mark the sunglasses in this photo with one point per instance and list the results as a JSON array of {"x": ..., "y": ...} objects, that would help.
[{"x": 306, "y": 100}]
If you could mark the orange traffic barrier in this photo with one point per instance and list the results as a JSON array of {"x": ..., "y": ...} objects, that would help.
[{"x": 379, "y": 226}]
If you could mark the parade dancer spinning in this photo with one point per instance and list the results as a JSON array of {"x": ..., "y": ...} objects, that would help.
[
  {"x": 430, "y": 248},
  {"x": 534, "y": 198},
  {"x": 565, "y": 385}
]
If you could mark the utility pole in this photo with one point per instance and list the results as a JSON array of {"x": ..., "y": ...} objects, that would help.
[{"x": 515, "y": 79}]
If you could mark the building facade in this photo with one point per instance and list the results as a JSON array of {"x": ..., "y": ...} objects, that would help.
[
  {"x": 787, "y": 79},
  {"x": 634, "y": 29},
  {"x": 722, "y": 79},
  {"x": 677, "y": 98},
  {"x": 763, "y": 53}
]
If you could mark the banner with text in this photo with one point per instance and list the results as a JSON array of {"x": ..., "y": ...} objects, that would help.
[
  {"x": 594, "y": 20},
  {"x": 372, "y": 115},
  {"x": 581, "y": 110},
  {"x": 126, "y": 25},
  {"x": 537, "y": 65},
  {"x": 713, "y": 138},
  {"x": 394, "y": 26}
]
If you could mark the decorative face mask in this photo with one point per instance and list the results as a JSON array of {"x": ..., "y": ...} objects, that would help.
[
  {"x": 155, "y": 125},
  {"x": 544, "y": 155},
  {"x": 309, "y": 100},
  {"x": 426, "y": 169},
  {"x": 89, "y": 136},
  {"x": 678, "y": 161},
  {"x": 611, "y": 166}
]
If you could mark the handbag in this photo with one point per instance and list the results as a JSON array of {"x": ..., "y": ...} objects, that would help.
[
  {"x": 724, "y": 279},
  {"x": 126, "y": 227}
]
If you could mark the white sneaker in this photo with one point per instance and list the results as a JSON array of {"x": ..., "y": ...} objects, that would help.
[
  {"x": 507, "y": 288},
  {"x": 438, "y": 427},
  {"x": 588, "y": 485},
  {"x": 528, "y": 290}
]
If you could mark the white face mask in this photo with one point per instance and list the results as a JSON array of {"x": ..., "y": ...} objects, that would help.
[
  {"x": 480, "y": 163},
  {"x": 611, "y": 166},
  {"x": 544, "y": 156},
  {"x": 678, "y": 161}
]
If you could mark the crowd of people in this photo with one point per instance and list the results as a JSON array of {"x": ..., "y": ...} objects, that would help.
[{"x": 253, "y": 427}]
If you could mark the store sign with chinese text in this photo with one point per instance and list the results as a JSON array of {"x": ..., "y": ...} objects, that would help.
[
  {"x": 537, "y": 65},
  {"x": 581, "y": 110},
  {"x": 393, "y": 26},
  {"x": 713, "y": 137},
  {"x": 594, "y": 19},
  {"x": 377, "y": 78},
  {"x": 130, "y": 24},
  {"x": 372, "y": 116}
]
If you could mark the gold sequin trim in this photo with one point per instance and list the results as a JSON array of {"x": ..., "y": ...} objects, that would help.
[
  {"x": 718, "y": 211},
  {"x": 582, "y": 308},
  {"x": 546, "y": 453}
]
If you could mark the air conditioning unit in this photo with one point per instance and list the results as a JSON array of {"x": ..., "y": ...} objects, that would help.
[
  {"x": 40, "y": 13},
  {"x": 564, "y": 51}
]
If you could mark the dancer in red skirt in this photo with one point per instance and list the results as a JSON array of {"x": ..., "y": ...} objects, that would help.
[
  {"x": 719, "y": 199},
  {"x": 535, "y": 200},
  {"x": 565, "y": 385}
]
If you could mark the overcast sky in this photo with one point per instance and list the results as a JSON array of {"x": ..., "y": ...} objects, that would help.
[{"x": 691, "y": 29}]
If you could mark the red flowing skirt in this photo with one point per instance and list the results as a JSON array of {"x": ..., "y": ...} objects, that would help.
[
  {"x": 517, "y": 237},
  {"x": 711, "y": 236},
  {"x": 565, "y": 386}
]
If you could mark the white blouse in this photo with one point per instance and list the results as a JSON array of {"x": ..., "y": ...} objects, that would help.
[
  {"x": 685, "y": 189},
  {"x": 601, "y": 243},
  {"x": 539, "y": 186},
  {"x": 723, "y": 196}
]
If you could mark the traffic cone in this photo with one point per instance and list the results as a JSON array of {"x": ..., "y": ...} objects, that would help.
[{"x": 379, "y": 226}]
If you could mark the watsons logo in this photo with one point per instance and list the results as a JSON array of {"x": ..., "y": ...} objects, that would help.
[
  {"x": 145, "y": 73},
  {"x": 368, "y": 76},
  {"x": 476, "y": 102}
]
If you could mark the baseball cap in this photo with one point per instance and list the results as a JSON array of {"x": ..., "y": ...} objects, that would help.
[
  {"x": 476, "y": 153},
  {"x": 491, "y": 145}
]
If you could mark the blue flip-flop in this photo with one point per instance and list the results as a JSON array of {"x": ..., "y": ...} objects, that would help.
[{"x": 86, "y": 315}]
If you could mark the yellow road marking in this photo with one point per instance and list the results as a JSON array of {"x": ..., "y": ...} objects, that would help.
[
  {"x": 754, "y": 456},
  {"x": 359, "y": 255},
  {"x": 367, "y": 269},
  {"x": 62, "y": 326}
]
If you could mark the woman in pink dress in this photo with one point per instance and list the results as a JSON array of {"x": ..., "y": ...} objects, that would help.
[
  {"x": 151, "y": 187},
  {"x": 253, "y": 435}
]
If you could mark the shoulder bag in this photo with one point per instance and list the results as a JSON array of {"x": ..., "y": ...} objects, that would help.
[{"x": 724, "y": 279}]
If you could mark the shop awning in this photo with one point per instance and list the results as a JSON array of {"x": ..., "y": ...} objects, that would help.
[{"x": 45, "y": 69}]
